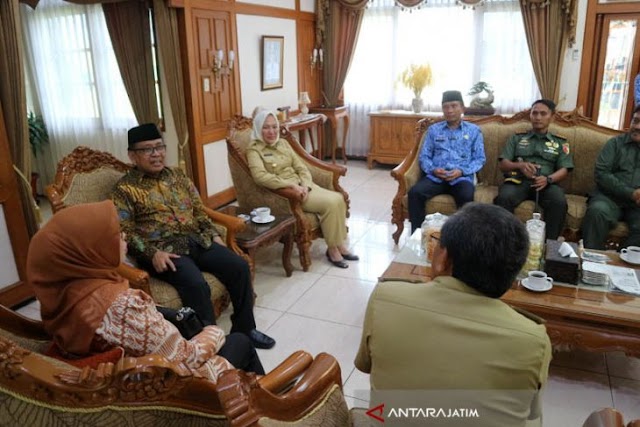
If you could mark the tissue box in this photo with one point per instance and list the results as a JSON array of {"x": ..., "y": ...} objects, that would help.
[{"x": 562, "y": 269}]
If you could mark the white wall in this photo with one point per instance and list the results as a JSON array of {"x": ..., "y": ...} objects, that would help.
[
  {"x": 216, "y": 167},
  {"x": 570, "y": 77},
  {"x": 307, "y": 6},
  {"x": 251, "y": 28}
]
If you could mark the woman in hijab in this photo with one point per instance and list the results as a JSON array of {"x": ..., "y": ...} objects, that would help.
[
  {"x": 88, "y": 308},
  {"x": 275, "y": 165}
]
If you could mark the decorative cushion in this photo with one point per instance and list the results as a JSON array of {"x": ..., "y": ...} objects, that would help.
[
  {"x": 331, "y": 411},
  {"x": 92, "y": 187}
]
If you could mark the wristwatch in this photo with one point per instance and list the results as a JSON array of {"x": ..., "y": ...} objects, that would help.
[{"x": 549, "y": 180}]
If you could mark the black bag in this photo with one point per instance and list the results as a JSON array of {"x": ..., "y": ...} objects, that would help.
[{"x": 186, "y": 320}]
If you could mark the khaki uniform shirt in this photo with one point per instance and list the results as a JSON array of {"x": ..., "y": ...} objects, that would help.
[
  {"x": 444, "y": 335},
  {"x": 277, "y": 166},
  {"x": 551, "y": 152}
]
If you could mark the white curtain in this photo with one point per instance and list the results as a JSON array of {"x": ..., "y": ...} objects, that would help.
[
  {"x": 75, "y": 81},
  {"x": 463, "y": 46}
]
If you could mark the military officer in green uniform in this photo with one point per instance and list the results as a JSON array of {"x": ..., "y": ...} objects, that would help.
[
  {"x": 618, "y": 189},
  {"x": 535, "y": 162}
]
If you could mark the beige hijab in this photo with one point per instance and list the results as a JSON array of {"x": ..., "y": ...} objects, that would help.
[
  {"x": 258, "y": 122},
  {"x": 71, "y": 266}
]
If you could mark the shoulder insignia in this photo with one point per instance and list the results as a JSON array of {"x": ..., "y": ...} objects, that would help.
[
  {"x": 524, "y": 132},
  {"x": 565, "y": 148}
]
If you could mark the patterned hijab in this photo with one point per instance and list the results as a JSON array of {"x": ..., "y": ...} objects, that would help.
[
  {"x": 258, "y": 122},
  {"x": 71, "y": 266}
]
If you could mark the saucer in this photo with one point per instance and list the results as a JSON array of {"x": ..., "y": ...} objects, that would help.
[
  {"x": 625, "y": 258},
  {"x": 267, "y": 220},
  {"x": 525, "y": 283}
]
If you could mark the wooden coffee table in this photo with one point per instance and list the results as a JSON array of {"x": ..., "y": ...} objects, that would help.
[
  {"x": 255, "y": 236},
  {"x": 577, "y": 317}
]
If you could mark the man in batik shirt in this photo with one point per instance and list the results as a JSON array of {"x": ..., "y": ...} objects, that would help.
[
  {"x": 452, "y": 153},
  {"x": 171, "y": 236}
]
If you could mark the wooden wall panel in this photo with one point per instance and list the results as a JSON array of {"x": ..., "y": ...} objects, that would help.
[{"x": 308, "y": 78}]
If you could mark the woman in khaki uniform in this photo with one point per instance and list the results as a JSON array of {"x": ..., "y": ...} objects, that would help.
[{"x": 274, "y": 165}]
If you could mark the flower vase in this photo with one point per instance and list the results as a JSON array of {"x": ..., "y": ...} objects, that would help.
[{"x": 417, "y": 104}]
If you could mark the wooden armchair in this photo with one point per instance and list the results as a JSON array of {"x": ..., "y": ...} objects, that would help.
[
  {"x": 316, "y": 399},
  {"x": 250, "y": 195},
  {"x": 86, "y": 176},
  {"x": 150, "y": 391}
]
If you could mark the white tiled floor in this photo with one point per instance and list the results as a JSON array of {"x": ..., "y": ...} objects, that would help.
[{"x": 322, "y": 311}]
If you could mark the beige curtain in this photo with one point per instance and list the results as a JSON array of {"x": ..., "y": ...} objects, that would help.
[
  {"x": 550, "y": 26},
  {"x": 341, "y": 20},
  {"x": 166, "y": 21},
  {"x": 14, "y": 104},
  {"x": 128, "y": 25}
]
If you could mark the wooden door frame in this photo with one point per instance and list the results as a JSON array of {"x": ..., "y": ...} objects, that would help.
[{"x": 588, "y": 87}]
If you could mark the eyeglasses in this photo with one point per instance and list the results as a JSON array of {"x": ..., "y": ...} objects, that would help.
[{"x": 148, "y": 151}]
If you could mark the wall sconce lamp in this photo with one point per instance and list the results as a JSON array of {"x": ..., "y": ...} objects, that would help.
[
  {"x": 303, "y": 101},
  {"x": 219, "y": 67},
  {"x": 316, "y": 59}
]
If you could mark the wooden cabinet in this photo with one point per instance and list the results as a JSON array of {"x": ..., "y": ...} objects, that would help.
[{"x": 392, "y": 135}]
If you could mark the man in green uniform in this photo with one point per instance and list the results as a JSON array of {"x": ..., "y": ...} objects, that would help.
[
  {"x": 535, "y": 162},
  {"x": 618, "y": 189}
]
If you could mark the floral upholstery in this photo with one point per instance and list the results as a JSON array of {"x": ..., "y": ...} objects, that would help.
[
  {"x": 87, "y": 176},
  {"x": 250, "y": 195},
  {"x": 585, "y": 138}
]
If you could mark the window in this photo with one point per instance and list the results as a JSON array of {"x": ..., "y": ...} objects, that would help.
[{"x": 463, "y": 46}]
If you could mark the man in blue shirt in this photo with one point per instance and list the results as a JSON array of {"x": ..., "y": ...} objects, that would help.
[{"x": 453, "y": 151}]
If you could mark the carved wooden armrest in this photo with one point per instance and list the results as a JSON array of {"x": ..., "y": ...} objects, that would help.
[
  {"x": 138, "y": 279},
  {"x": 22, "y": 326},
  {"x": 605, "y": 417},
  {"x": 288, "y": 370},
  {"x": 232, "y": 224},
  {"x": 245, "y": 400},
  {"x": 54, "y": 197}
]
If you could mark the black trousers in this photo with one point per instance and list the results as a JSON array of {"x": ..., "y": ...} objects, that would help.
[
  {"x": 231, "y": 269},
  {"x": 240, "y": 352},
  {"x": 425, "y": 189},
  {"x": 552, "y": 200}
]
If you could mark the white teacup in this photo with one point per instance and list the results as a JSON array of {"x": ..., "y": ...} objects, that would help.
[
  {"x": 538, "y": 279},
  {"x": 632, "y": 253},
  {"x": 263, "y": 213}
]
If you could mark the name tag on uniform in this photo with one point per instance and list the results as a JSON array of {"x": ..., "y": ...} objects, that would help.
[
  {"x": 440, "y": 138},
  {"x": 268, "y": 154}
]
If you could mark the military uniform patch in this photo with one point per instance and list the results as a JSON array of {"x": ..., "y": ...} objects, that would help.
[{"x": 565, "y": 148}]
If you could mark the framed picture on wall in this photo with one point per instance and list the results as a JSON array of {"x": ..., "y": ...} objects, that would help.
[{"x": 272, "y": 58}]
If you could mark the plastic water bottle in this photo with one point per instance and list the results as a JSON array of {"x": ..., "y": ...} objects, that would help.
[{"x": 536, "y": 229}]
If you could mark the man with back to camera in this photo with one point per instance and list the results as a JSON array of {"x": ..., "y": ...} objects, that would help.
[
  {"x": 453, "y": 151},
  {"x": 617, "y": 175},
  {"x": 536, "y": 161},
  {"x": 454, "y": 333},
  {"x": 171, "y": 236}
]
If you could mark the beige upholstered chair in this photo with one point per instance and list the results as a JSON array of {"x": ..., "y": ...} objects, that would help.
[
  {"x": 149, "y": 391},
  {"x": 86, "y": 176},
  {"x": 250, "y": 195},
  {"x": 316, "y": 399}
]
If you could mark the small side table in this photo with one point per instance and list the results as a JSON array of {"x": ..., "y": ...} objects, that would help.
[
  {"x": 255, "y": 236},
  {"x": 334, "y": 115},
  {"x": 305, "y": 125}
]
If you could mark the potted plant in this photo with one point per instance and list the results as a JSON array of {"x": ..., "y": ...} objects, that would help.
[
  {"x": 38, "y": 135},
  {"x": 481, "y": 105},
  {"x": 38, "y": 138},
  {"x": 416, "y": 78}
]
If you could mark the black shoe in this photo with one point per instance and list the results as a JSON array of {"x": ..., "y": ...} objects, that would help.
[
  {"x": 340, "y": 263},
  {"x": 351, "y": 257},
  {"x": 261, "y": 340}
]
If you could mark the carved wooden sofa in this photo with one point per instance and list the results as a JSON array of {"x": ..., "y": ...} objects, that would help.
[
  {"x": 37, "y": 390},
  {"x": 250, "y": 195},
  {"x": 86, "y": 176},
  {"x": 585, "y": 138}
]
